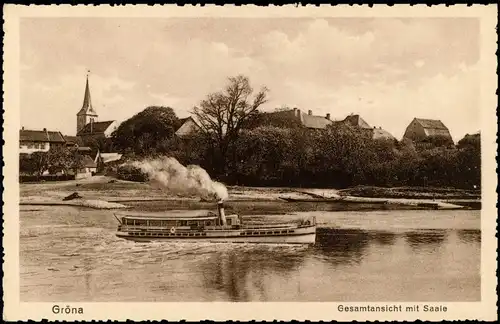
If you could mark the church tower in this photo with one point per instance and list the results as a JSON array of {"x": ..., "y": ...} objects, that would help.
[{"x": 87, "y": 114}]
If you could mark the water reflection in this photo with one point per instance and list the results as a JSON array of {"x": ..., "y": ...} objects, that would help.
[
  {"x": 240, "y": 273},
  {"x": 469, "y": 236},
  {"x": 341, "y": 245},
  {"x": 245, "y": 274},
  {"x": 383, "y": 238},
  {"x": 428, "y": 239}
]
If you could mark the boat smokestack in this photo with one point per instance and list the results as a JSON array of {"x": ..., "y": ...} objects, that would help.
[{"x": 222, "y": 214}]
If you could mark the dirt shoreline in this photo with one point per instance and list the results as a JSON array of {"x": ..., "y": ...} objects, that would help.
[{"x": 109, "y": 193}]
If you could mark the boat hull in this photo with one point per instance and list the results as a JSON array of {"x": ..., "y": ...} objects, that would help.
[{"x": 305, "y": 235}]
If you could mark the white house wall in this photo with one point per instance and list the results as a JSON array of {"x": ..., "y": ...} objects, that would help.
[
  {"x": 111, "y": 128},
  {"x": 34, "y": 147}
]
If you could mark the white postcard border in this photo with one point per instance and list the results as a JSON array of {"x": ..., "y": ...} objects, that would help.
[{"x": 16, "y": 310}]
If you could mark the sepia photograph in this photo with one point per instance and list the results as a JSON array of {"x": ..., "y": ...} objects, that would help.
[{"x": 252, "y": 158}]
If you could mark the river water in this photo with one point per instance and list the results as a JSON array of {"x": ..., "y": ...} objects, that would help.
[{"x": 71, "y": 254}]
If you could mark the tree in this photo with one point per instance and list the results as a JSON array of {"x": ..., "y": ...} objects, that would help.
[
  {"x": 27, "y": 164},
  {"x": 223, "y": 114},
  {"x": 469, "y": 161},
  {"x": 438, "y": 140},
  {"x": 60, "y": 159},
  {"x": 40, "y": 162},
  {"x": 149, "y": 132},
  {"x": 266, "y": 156}
]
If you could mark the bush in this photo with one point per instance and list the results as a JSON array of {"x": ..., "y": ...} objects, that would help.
[{"x": 131, "y": 173}]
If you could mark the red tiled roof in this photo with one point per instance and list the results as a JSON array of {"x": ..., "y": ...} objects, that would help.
[
  {"x": 312, "y": 121},
  {"x": 356, "y": 120},
  {"x": 73, "y": 140},
  {"x": 95, "y": 128},
  {"x": 431, "y": 123},
  {"x": 379, "y": 133},
  {"x": 41, "y": 136},
  {"x": 184, "y": 120}
]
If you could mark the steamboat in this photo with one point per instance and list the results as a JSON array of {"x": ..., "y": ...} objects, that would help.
[{"x": 213, "y": 227}]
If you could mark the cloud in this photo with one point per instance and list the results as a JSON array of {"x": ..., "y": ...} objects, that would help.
[{"x": 386, "y": 69}]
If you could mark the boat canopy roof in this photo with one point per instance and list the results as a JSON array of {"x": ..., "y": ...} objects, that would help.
[{"x": 171, "y": 215}]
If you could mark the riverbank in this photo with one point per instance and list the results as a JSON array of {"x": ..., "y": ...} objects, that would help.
[
  {"x": 109, "y": 193},
  {"x": 412, "y": 193}
]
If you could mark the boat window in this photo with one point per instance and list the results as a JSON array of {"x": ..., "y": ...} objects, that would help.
[
  {"x": 229, "y": 221},
  {"x": 140, "y": 222},
  {"x": 155, "y": 223}
]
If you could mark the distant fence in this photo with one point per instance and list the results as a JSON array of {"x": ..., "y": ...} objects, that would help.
[{"x": 52, "y": 177}]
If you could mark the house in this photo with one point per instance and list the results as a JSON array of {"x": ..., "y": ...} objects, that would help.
[
  {"x": 188, "y": 127},
  {"x": 311, "y": 121},
  {"x": 39, "y": 141},
  {"x": 374, "y": 132},
  {"x": 88, "y": 127},
  {"x": 379, "y": 133},
  {"x": 103, "y": 159},
  {"x": 419, "y": 129},
  {"x": 308, "y": 120},
  {"x": 88, "y": 168},
  {"x": 97, "y": 130},
  {"x": 356, "y": 121},
  {"x": 73, "y": 141}
]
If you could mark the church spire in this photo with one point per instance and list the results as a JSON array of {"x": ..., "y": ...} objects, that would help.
[
  {"x": 87, "y": 102},
  {"x": 87, "y": 114}
]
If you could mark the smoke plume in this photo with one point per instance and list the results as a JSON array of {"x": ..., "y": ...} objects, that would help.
[{"x": 172, "y": 176}]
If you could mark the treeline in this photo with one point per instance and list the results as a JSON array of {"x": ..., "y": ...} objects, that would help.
[
  {"x": 339, "y": 156},
  {"x": 58, "y": 159},
  {"x": 239, "y": 145}
]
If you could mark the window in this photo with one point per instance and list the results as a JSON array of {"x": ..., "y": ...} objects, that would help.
[{"x": 154, "y": 223}]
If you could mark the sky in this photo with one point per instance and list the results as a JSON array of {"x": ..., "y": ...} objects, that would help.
[{"x": 387, "y": 70}]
